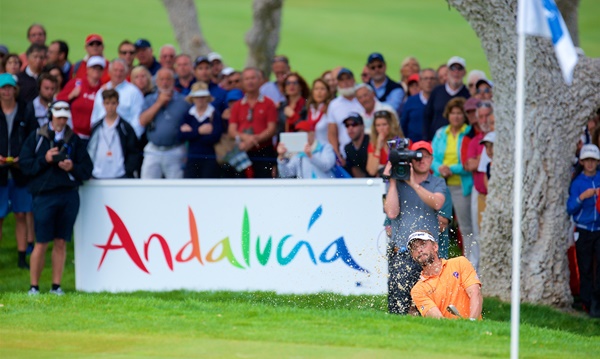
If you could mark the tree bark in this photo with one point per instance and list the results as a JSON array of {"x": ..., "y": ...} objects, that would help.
[
  {"x": 262, "y": 39},
  {"x": 554, "y": 117},
  {"x": 184, "y": 19}
]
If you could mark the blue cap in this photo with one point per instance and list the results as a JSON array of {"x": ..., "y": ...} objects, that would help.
[
  {"x": 374, "y": 57},
  {"x": 344, "y": 71},
  {"x": 3, "y": 50},
  {"x": 142, "y": 44},
  {"x": 201, "y": 59},
  {"x": 234, "y": 95},
  {"x": 7, "y": 79}
]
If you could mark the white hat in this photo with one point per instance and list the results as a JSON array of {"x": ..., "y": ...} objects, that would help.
[
  {"x": 61, "y": 109},
  {"x": 589, "y": 151},
  {"x": 96, "y": 61},
  {"x": 420, "y": 235},
  {"x": 214, "y": 56},
  {"x": 489, "y": 137},
  {"x": 227, "y": 71},
  {"x": 199, "y": 93},
  {"x": 456, "y": 60}
]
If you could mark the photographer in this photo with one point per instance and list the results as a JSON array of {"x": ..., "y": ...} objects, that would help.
[
  {"x": 410, "y": 204},
  {"x": 57, "y": 162}
]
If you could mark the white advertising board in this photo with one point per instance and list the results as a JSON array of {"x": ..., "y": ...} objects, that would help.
[{"x": 287, "y": 236}]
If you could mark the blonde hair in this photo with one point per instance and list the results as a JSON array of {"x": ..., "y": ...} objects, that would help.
[
  {"x": 141, "y": 69},
  {"x": 392, "y": 120}
]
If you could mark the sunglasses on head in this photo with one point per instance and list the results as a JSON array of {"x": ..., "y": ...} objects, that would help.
[
  {"x": 95, "y": 43},
  {"x": 484, "y": 104},
  {"x": 60, "y": 108},
  {"x": 456, "y": 67},
  {"x": 384, "y": 114}
]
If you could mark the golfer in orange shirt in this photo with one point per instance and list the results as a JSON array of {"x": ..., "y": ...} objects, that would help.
[{"x": 446, "y": 288}]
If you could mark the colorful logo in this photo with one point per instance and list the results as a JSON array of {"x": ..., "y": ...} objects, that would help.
[{"x": 261, "y": 253}]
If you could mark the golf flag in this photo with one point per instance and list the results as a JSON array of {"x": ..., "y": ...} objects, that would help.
[{"x": 543, "y": 19}]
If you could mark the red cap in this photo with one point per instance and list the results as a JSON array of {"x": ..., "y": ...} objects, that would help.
[
  {"x": 93, "y": 37},
  {"x": 306, "y": 126},
  {"x": 413, "y": 78},
  {"x": 422, "y": 145}
]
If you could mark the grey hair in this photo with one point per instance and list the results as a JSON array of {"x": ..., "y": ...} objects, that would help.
[
  {"x": 110, "y": 66},
  {"x": 476, "y": 74},
  {"x": 365, "y": 86}
]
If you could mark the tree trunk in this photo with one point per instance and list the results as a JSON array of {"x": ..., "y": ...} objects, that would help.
[
  {"x": 183, "y": 18},
  {"x": 262, "y": 39},
  {"x": 553, "y": 121}
]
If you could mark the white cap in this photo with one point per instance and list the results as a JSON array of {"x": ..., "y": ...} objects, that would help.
[
  {"x": 420, "y": 235},
  {"x": 589, "y": 151},
  {"x": 457, "y": 60},
  {"x": 61, "y": 109},
  {"x": 484, "y": 80},
  {"x": 227, "y": 71},
  {"x": 199, "y": 93},
  {"x": 214, "y": 56},
  {"x": 96, "y": 61},
  {"x": 489, "y": 137}
]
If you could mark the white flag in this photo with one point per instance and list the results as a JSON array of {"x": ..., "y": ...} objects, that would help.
[{"x": 543, "y": 19}]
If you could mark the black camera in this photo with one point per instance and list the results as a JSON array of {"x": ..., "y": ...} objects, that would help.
[
  {"x": 63, "y": 152},
  {"x": 400, "y": 157}
]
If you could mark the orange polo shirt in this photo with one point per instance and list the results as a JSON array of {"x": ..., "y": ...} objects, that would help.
[{"x": 448, "y": 287}]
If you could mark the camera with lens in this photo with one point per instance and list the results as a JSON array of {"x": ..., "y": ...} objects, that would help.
[{"x": 400, "y": 157}]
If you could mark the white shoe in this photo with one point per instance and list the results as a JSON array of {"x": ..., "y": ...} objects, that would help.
[
  {"x": 57, "y": 291},
  {"x": 33, "y": 291}
]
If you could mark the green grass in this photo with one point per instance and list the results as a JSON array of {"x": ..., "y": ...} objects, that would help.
[
  {"x": 258, "y": 324},
  {"x": 316, "y": 34}
]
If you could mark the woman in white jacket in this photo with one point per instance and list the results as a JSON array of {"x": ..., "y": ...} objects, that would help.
[{"x": 317, "y": 160}]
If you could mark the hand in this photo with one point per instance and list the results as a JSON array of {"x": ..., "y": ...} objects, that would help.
[
  {"x": 288, "y": 111},
  {"x": 380, "y": 143},
  {"x": 388, "y": 169},
  {"x": 340, "y": 160},
  {"x": 410, "y": 181},
  {"x": 308, "y": 150},
  {"x": 164, "y": 98},
  {"x": 281, "y": 149},
  {"x": 226, "y": 114},
  {"x": 443, "y": 223},
  {"x": 185, "y": 128},
  {"x": 588, "y": 193},
  {"x": 66, "y": 165},
  {"x": 75, "y": 92},
  {"x": 205, "y": 129},
  {"x": 50, "y": 153},
  {"x": 445, "y": 171}
]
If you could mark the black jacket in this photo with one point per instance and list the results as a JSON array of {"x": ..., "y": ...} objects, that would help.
[
  {"x": 129, "y": 144},
  {"x": 48, "y": 177},
  {"x": 23, "y": 124}
]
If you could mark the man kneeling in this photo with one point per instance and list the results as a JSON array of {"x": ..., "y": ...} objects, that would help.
[{"x": 446, "y": 288}]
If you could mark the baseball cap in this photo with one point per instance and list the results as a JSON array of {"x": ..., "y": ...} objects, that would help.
[
  {"x": 96, "y": 61},
  {"x": 376, "y": 56},
  {"x": 344, "y": 71},
  {"x": 422, "y": 235},
  {"x": 7, "y": 79},
  {"x": 214, "y": 56},
  {"x": 92, "y": 38},
  {"x": 481, "y": 81},
  {"x": 234, "y": 95},
  {"x": 471, "y": 104},
  {"x": 3, "y": 50},
  {"x": 413, "y": 78},
  {"x": 490, "y": 137},
  {"x": 306, "y": 125},
  {"x": 201, "y": 59},
  {"x": 227, "y": 71},
  {"x": 61, "y": 109},
  {"x": 589, "y": 151},
  {"x": 422, "y": 145},
  {"x": 456, "y": 60},
  {"x": 354, "y": 118},
  {"x": 142, "y": 44}
]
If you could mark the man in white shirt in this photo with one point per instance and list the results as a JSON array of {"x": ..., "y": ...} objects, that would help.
[
  {"x": 131, "y": 98},
  {"x": 370, "y": 104},
  {"x": 340, "y": 109}
]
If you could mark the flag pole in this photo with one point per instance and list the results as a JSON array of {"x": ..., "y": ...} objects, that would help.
[{"x": 517, "y": 188}]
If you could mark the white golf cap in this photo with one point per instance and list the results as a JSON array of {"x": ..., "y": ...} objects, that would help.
[
  {"x": 96, "y": 61},
  {"x": 214, "y": 56},
  {"x": 199, "y": 93},
  {"x": 456, "y": 60},
  {"x": 61, "y": 109},
  {"x": 227, "y": 71},
  {"x": 489, "y": 137},
  {"x": 589, "y": 151},
  {"x": 420, "y": 235}
]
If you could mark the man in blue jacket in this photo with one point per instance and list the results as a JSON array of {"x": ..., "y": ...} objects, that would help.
[{"x": 582, "y": 206}]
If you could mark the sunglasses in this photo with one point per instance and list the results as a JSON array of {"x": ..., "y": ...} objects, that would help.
[
  {"x": 486, "y": 90},
  {"x": 292, "y": 83},
  {"x": 364, "y": 75},
  {"x": 384, "y": 114},
  {"x": 352, "y": 124},
  {"x": 374, "y": 67},
  {"x": 250, "y": 115},
  {"x": 456, "y": 67},
  {"x": 95, "y": 43},
  {"x": 127, "y": 52},
  {"x": 484, "y": 104}
]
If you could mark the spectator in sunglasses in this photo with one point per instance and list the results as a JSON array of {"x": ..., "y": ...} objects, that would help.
[
  {"x": 472, "y": 78},
  {"x": 293, "y": 109},
  {"x": 484, "y": 89},
  {"x": 386, "y": 90},
  {"x": 94, "y": 46},
  {"x": 126, "y": 52}
]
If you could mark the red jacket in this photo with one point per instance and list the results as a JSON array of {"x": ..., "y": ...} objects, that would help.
[{"x": 81, "y": 106}]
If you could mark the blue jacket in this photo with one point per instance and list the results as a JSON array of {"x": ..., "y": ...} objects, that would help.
[
  {"x": 439, "y": 150},
  {"x": 584, "y": 212},
  {"x": 411, "y": 118}
]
